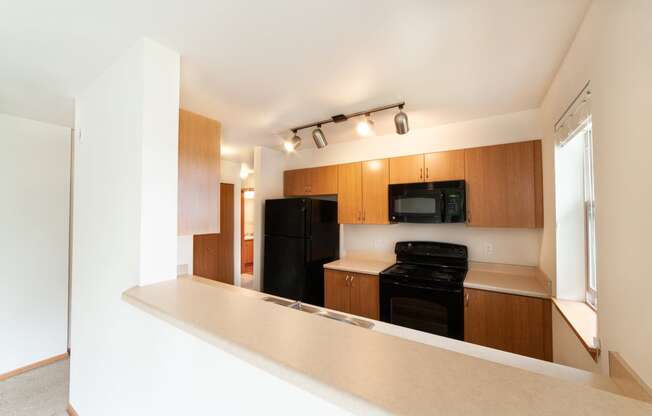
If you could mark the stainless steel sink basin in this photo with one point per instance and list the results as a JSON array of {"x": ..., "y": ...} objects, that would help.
[
  {"x": 320, "y": 312},
  {"x": 278, "y": 301}
]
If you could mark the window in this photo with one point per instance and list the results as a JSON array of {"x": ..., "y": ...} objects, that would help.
[
  {"x": 589, "y": 215},
  {"x": 576, "y": 245}
]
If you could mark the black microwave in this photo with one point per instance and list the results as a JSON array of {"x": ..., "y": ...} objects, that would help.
[{"x": 428, "y": 202}]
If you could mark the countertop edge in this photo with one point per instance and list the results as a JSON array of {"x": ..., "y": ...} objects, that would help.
[{"x": 508, "y": 291}]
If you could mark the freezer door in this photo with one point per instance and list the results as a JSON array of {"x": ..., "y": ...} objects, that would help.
[
  {"x": 284, "y": 267},
  {"x": 287, "y": 217}
]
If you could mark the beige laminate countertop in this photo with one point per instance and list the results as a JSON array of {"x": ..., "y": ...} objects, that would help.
[
  {"x": 515, "y": 280},
  {"x": 359, "y": 265},
  {"x": 379, "y": 372}
]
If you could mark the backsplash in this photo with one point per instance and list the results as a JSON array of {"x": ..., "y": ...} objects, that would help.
[{"x": 491, "y": 245}]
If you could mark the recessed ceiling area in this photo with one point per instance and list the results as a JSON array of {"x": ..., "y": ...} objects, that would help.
[{"x": 264, "y": 67}]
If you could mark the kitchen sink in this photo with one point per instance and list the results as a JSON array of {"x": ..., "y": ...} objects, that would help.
[{"x": 320, "y": 312}]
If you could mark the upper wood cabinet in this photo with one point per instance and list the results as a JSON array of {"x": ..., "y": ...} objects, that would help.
[
  {"x": 323, "y": 180},
  {"x": 375, "y": 181},
  {"x": 406, "y": 169},
  {"x": 362, "y": 192},
  {"x": 431, "y": 167},
  {"x": 504, "y": 185},
  {"x": 353, "y": 293},
  {"x": 349, "y": 193},
  {"x": 444, "y": 166},
  {"x": 295, "y": 182},
  {"x": 517, "y": 324},
  {"x": 311, "y": 181},
  {"x": 199, "y": 174}
]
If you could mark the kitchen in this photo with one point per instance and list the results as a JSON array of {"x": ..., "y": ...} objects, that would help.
[
  {"x": 328, "y": 208},
  {"x": 431, "y": 288}
]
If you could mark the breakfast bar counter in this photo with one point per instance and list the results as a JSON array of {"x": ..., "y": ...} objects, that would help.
[{"x": 360, "y": 370}]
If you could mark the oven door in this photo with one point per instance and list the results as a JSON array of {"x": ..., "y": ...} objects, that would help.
[
  {"x": 416, "y": 202},
  {"x": 438, "y": 311}
]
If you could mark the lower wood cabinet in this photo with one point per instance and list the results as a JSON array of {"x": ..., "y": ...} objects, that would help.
[
  {"x": 518, "y": 324},
  {"x": 353, "y": 293}
]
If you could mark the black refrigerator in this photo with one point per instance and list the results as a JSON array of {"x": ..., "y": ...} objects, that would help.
[{"x": 301, "y": 234}]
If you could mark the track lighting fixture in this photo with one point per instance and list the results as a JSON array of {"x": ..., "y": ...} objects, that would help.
[
  {"x": 401, "y": 121},
  {"x": 364, "y": 128},
  {"x": 319, "y": 138},
  {"x": 292, "y": 144}
]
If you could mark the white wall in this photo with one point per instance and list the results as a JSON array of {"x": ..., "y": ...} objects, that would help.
[
  {"x": 229, "y": 173},
  {"x": 35, "y": 183},
  {"x": 269, "y": 166},
  {"x": 124, "y": 223},
  {"x": 509, "y": 246},
  {"x": 612, "y": 49}
]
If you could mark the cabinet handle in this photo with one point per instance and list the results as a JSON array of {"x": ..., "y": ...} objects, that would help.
[
  {"x": 427, "y": 173},
  {"x": 364, "y": 216},
  {"x": 359, "y": 216},
  {"x": 468, "y": 217},
  {"x": 421, "y": 173},
  {"x": 466, "y": 299}
]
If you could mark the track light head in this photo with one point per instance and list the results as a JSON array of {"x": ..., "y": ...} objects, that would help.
[
  {"x": 401, "y": 122},
  {"x": 292, "y": 144},
  {"x": 365, "y": 127},
  {"x": 319, "y": 138}
]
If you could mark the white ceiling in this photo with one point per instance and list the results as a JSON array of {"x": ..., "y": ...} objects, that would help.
[{"x": 262, "y": 67}]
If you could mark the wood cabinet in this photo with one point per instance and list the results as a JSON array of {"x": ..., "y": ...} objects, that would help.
[
  {"x": 504, "y": 185},
  {"x": 353, "y": 293},
  {"x": 362, "y": 192},
  {"x": 213, "y": 253},
  {"x": 311, "y": 181},
  {"x": 437, "y": 166},
  {"x": 336, "y": 290},
  {"x": 444, "y": 166},
  {"x": 375, "y": 181},
  {"x": 295, "y": 182},
  {"x": 349, "y": 193},
  {"x": 199, "y": 174},
  {"x": 406, "y": 169},
  {"x": 512, "y": 323}
]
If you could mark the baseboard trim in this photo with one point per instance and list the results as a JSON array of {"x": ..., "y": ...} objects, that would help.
[
  {"x": 631, "y": 384},
  {"x": 71, "y": 410},
  {"x": 33, "y": 366}
]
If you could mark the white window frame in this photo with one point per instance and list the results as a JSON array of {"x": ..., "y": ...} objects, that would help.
[{"x": 589, "y": 217}]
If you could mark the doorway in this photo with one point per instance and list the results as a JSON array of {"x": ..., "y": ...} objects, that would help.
[{"x": 247, "y": 233}]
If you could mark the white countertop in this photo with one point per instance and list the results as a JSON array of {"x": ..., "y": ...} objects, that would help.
[
  {"x": 359, "y": 265},
  {"x": 386, "y": 372},
  {"x": 515, "y": 280}
]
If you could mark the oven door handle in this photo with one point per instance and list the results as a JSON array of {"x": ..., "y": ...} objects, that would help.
[{"x": 433, "y": 289}]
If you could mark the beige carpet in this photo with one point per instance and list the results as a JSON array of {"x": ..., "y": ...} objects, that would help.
[{"x": 40, "y": 392}]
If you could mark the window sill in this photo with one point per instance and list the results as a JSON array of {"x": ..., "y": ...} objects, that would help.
[{"x": 584, "y": 322}]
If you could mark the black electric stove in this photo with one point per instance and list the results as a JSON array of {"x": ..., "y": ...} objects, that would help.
[{"x": 424, "y": 290}]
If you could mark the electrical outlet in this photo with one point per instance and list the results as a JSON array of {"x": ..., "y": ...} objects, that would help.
[{"x": 488, "y": 249}]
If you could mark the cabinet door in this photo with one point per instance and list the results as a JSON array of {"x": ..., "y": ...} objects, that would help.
[
  {"x": 504, "y": 185},
  {"x": 323, "y": 181},
  {"x": 406, "y": 169},
  {"x": 336, "y": 290},
  {"x": 365, "y": 297},
  {"x": 375, "y": 178},
  {"x": 199, "y": 174},
  {"x": 295, "y": 182},
  {"x": 512, "y": 323},
  {"x": 349, "y": 193},
  {"x": 444, "y": 166}
]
